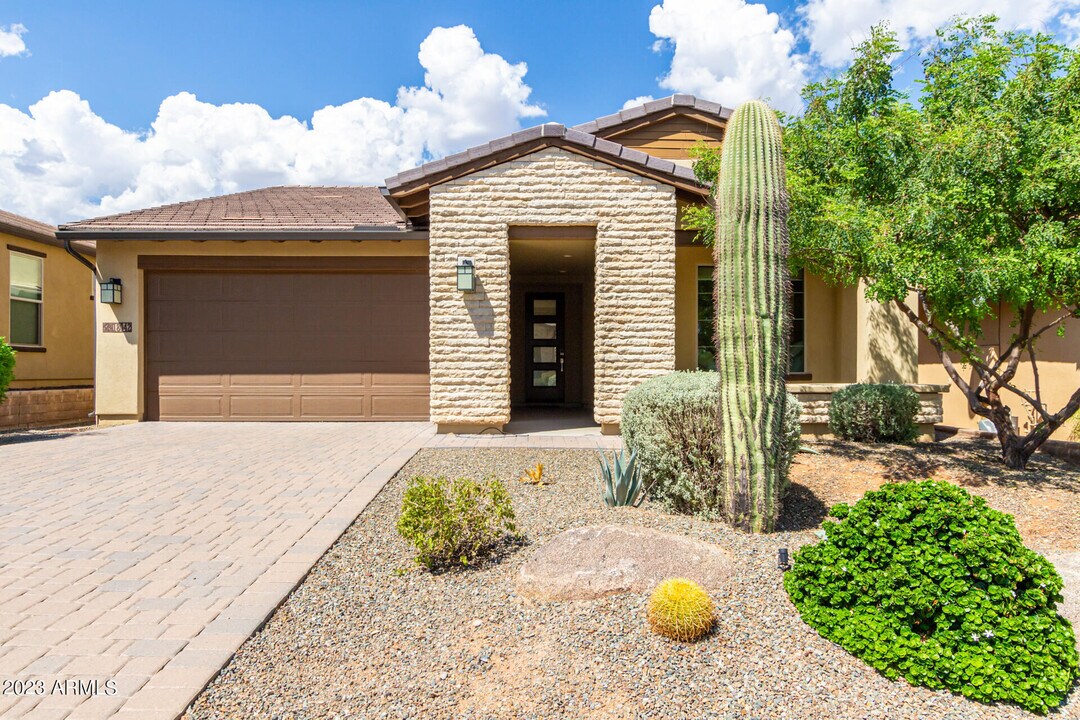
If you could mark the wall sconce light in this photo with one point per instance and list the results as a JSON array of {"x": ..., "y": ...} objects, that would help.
[
  {"x": 112, "y": 291},
  {"x": 466, "y": 275}
]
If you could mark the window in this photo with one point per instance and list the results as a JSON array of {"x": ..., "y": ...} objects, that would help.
[
  {"x": 705, "y": 320},
  {"x": 25, "y": 295}
]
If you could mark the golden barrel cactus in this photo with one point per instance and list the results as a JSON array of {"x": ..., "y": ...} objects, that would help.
[{"x": 681, "y": 610}]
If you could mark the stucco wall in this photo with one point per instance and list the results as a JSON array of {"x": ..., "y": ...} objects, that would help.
[
  {"x": 635, "y": 278},
  {"x": 837, "y": 348},
  {"x": 1059, "y": 372},
  {"x": 120, "y": 356},
  {"x": 67, "y": 319}
]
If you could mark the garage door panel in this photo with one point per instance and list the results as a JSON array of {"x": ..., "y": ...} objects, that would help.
[
  {"x": 280, "y": 346},
  {"x": 333, "y": 406},
  {"x": 193, "y": 407},
  {"x": 261, "y": 406},
  {"x": 387, "y": 407}
]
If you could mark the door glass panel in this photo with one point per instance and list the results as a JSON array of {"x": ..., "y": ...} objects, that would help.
[
  {"x": 544, "y": 331},
  {"x": 544, "y": 307},
  {"x": 544, "y": 354},
  {"x": 544, "y": 378}
]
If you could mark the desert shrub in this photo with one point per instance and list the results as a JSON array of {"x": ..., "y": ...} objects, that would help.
[
  {"x": 924, "y": 581},
  {"x": 671, "y": 422},
  {"x": 454, "y": 522},
  {"x": 874, "y": 413},
  {"x": 7, "y": 367},
  {"x": 681, "y": 610}
]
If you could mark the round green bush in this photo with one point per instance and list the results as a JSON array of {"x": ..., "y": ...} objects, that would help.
[
  {"x": 924, "y": 581},
  {"x": 874, "y": 413},
  {"x": 671, "y": 422},
  {"x": 7, "y": 367}
]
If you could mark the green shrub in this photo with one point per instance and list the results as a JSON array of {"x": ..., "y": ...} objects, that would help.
[
  {"x": 874, "y": 413},
  {"x": 924, "y": 581},
  {"x": 7, "y": 367},
  {"x": 452, "y": 522},
  {"x": 671, "y": 423}
]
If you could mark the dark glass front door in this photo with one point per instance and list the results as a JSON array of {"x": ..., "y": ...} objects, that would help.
[{"x": 544, "y": 348}]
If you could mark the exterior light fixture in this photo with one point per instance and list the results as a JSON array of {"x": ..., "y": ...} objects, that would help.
[
  {"x": 466, "y": 275},
  {"x": 112, "y": 291},
  {"x": 782, "y": 559}
]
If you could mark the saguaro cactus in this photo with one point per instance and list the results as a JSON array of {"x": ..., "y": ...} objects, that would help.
[{"x": 752, "y": 289}]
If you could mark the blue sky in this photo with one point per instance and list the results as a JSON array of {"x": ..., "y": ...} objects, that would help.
[
  {"x": 107, "y": 106},
  {"x": 584, "y": 58}
]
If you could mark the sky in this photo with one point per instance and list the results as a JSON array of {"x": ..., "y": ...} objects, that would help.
[{"x": 114, "y": 105}]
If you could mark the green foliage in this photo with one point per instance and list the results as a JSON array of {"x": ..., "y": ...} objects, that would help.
[
  {"x": 702, "y": 218},
  {"x": 7, "y": 367},
  {"x": 969, "y": 199},
  {"x": 923, "y": 581},
  {"x": 753, "y": 315},
  {"x": 670, "y": 423},
  {"x": 452, "y": 522},
  {"x": 874, "y": 413},
  {"x": 620, "y": 481}
]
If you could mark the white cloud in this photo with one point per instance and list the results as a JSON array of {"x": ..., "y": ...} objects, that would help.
[
  {"x": 729, "y": 51},
  {"x": 61, "y": 161},
  {"x": 832, "y": 27},
  {"x": 11, "y": 42},
  {"x": 639, "y": 100}
]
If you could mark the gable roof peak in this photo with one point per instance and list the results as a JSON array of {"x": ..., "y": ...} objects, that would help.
[{"x": 678, "y": 103}]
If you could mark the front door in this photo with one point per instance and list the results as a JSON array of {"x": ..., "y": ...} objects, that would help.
[{"x": 545, "y": 348}]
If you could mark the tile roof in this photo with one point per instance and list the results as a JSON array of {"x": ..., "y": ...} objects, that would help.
[
  {"x": 554, "y": 132},
  {"x": 301, "y": 208},
  {"x": 676, "y": 102},
  {"x": 29, "y": 229},
  {"x": 25, "y": 227}
]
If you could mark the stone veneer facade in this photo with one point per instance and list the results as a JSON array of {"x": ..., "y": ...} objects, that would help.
[
  {"x": 46, "y": 407},
  {"x": 635, "y": 220}
]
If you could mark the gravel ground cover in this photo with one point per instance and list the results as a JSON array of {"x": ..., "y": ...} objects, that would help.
[{"x": 369, "y": 636}]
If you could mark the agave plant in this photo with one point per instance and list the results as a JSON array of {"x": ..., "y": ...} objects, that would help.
[{"x": 620, "y": 482}]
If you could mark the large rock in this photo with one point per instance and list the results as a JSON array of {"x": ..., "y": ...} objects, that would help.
[{"x": 593, "y": 562}]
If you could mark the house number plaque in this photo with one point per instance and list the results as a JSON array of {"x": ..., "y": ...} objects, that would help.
[{"x": 116, "y": 327}]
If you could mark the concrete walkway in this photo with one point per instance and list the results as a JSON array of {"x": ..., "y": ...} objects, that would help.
[{"x": 141, "y": 557}]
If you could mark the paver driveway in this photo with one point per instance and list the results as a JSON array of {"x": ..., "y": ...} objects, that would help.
[{"x": 144, "y": 555}]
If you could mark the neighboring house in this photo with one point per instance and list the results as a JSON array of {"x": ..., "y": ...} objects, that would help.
[
  {"x": 48, "y": 318},
  {"x": 344, "y": 303}
]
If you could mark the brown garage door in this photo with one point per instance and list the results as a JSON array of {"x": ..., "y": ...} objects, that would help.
[{"x": 286, "y": 346}]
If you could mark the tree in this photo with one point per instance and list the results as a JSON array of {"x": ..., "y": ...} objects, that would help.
[{"x": 970, "y": 200}]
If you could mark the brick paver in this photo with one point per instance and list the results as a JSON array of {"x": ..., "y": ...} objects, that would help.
[{"x": 144, "y": 555}]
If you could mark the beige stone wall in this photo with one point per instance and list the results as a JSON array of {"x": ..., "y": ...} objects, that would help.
[
  {"x": 635, "y": 278},
  {"x": 67, "y": 319},
  {"x": 815, "y": 399},
  {"x": 120, "y": 356}
]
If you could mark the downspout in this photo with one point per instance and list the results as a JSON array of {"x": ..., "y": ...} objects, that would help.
[
  {"x": 82, "y": 259},
  {"x": 97, "y": 275}
]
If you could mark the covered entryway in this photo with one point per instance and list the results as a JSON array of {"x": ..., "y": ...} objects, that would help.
[
  {"x": 551, "y": 316},
  {"x": 292, "y": 344}
]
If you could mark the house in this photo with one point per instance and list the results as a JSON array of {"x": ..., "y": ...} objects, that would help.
[
  {"x": 48, "y": 320},
  {"x": 547, "y": 267}
]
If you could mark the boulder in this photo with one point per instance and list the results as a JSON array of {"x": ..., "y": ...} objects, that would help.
[{"x": 597, "y": 561}]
